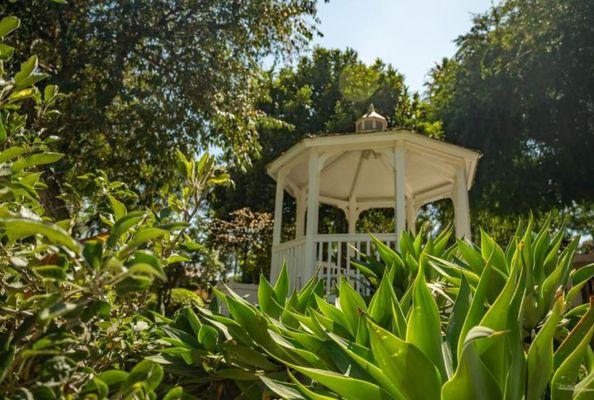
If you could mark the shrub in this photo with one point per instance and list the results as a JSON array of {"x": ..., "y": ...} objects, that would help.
[
  {"x": 473, "y": 322},
  {"x": 79, "y": 297}
]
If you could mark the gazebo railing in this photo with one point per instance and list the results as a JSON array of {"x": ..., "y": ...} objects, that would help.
[{"x": 333, "y": 254}]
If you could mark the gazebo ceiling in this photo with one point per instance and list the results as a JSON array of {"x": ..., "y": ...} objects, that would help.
[{"x": 359, "y": 167}]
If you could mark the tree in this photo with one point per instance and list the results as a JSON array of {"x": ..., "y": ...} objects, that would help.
[
  {"x": 245, "y": 240},
  {"x": 146, "y": 77},
  {"x": 521, "y": 90}
]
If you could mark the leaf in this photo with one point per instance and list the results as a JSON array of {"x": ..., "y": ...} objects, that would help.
[
  {"x": 11, "y": 153},
  {"x": 363, "y": 357},
  {"x": 146, "y": 234},
  {"x": 50, "y": 272},
  {"x": 540, "y": 355},
  {"x": 147, "y": 257},
  {"x": 176, "y": 258},
  {"x": 576, "y": 335},
  {"x": 36, "y": 160},
  {"x": 457, "y": 317},
  {"x": 472, "y": 380},
  {"x": 3, "y": 134},
  {"x": 477, "y": 307},
  {"x": 208, "y": 337},
  {"x": 6, "y": 359},
  {"x": 134, "y": 284},
  {"x": 56, "y": 310},
  {"x": 147, "y": 269},
  {"x": 424, "y": 327},
  {"x": 345, "y": 386},
  {"x": 585, "y": 388},
  {"x": 565, "y": 378},
  {"x": 281, "y": 287},
  {"x": 267, "y": 299},
  {"x": 93, "y": 253},
  {"x": 145, "y": 371},
  {"x": 175, "y": 393},
  {"x": 122, "y": 225},
  {"x": 8, "y": 24},
  {"x": 282, "y": 389},
  {"x": 406, "y": 366},
  {"x": 118, "y": 208},
  {"x": 18, "y": 228},
  {"x": 351, "y": 304}
]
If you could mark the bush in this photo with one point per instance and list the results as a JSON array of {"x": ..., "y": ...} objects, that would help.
[
  {"x": 464, "y": 322},
  {"x": 80, "y": 297}
]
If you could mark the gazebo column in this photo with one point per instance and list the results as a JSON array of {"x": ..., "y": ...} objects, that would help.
[
  {"x": 311, "y": 229},
  {"x": 399, "y": 188},
  {"x": 461, "y": 207},
  {"x": 278, "y": 222},
  {"x": 300, "y": 213},
  {"x": 411, "y": 215},
  {"x": 352, "y": 216}
]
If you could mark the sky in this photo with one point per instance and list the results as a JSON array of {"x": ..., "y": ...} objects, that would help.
[{"x": 412, "y": 35}]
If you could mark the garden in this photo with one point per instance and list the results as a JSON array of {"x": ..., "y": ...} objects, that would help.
[{"x": 134, "y": 139}]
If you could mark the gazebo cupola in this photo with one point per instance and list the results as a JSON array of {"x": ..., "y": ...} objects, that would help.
[
  {"x": 379, "y": 168},
  {"x": 371, "y": 121}
]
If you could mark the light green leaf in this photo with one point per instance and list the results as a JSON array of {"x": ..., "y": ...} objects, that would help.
[
  {"x": 50, "y": 272},
  {"x": 282, "y": 389},
  {"x": 36, "y": 160},
  {"x": 565, "y": 378},
  {"x": 472, "y": 380},
  {"x": 118, "y": 208},
  {"x": 267, "y": 299},
  {"x": 347, "y": 387},
  {"x": 281, "y": 287},
  {"x": 145, "y": 234},
  {"x": 407, "y": 367},
  {"x": 576, "y": 335},
  {"x": 18, "y": 228},
  {"x": 424, "y": 327},
  {"x": 11, "y": 153},
  {"x": 8, "y": 24},
  {"x": 122, "y": 225},
  {"x": 351, "y": 304},
  {"x": 145, "y": 371},
  {"x": 540, "y": 355}
]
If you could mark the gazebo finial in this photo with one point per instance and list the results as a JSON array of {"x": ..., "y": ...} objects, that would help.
[{"x": 371, "y": 121}]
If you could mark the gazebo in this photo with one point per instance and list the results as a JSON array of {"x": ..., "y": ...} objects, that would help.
[{"x": 371, "y": 168}]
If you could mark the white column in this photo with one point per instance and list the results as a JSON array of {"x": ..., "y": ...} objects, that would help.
[
  {"x": 300, "y": 214},
  {"x": 411, "y": 215},
  {"x": 311, "y": 229},
  {"x": 399, "y": 187},
  {"x": 278, "y": 223},
  {"x": 461, "y": 207},
  {"x": 352, "y": 216}
]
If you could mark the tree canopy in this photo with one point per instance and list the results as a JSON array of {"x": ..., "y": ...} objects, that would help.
[
  {"x": 521, "y": 90},
  {"x": 146, "y": 77}
]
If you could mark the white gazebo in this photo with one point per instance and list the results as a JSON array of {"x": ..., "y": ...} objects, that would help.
[{"x": 372, "y": 168}]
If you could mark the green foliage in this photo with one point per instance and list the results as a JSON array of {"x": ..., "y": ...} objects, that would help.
[
  {"x": 458, "y": 322},
  {"x": 520, "y": 89},
  {"x": 146, "y": 77},
  {"x": 78, "y": 296}
]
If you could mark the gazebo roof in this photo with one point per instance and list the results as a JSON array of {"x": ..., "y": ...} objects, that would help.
[{"x": 359, "y": 167}]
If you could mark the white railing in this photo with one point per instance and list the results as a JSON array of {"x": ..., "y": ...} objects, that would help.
[
  {"x": 292, "y": 253},
  {"x": 333, "y": 254}
]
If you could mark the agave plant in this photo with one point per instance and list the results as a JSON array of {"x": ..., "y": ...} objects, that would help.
[{"x": 507, "y": 328}]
